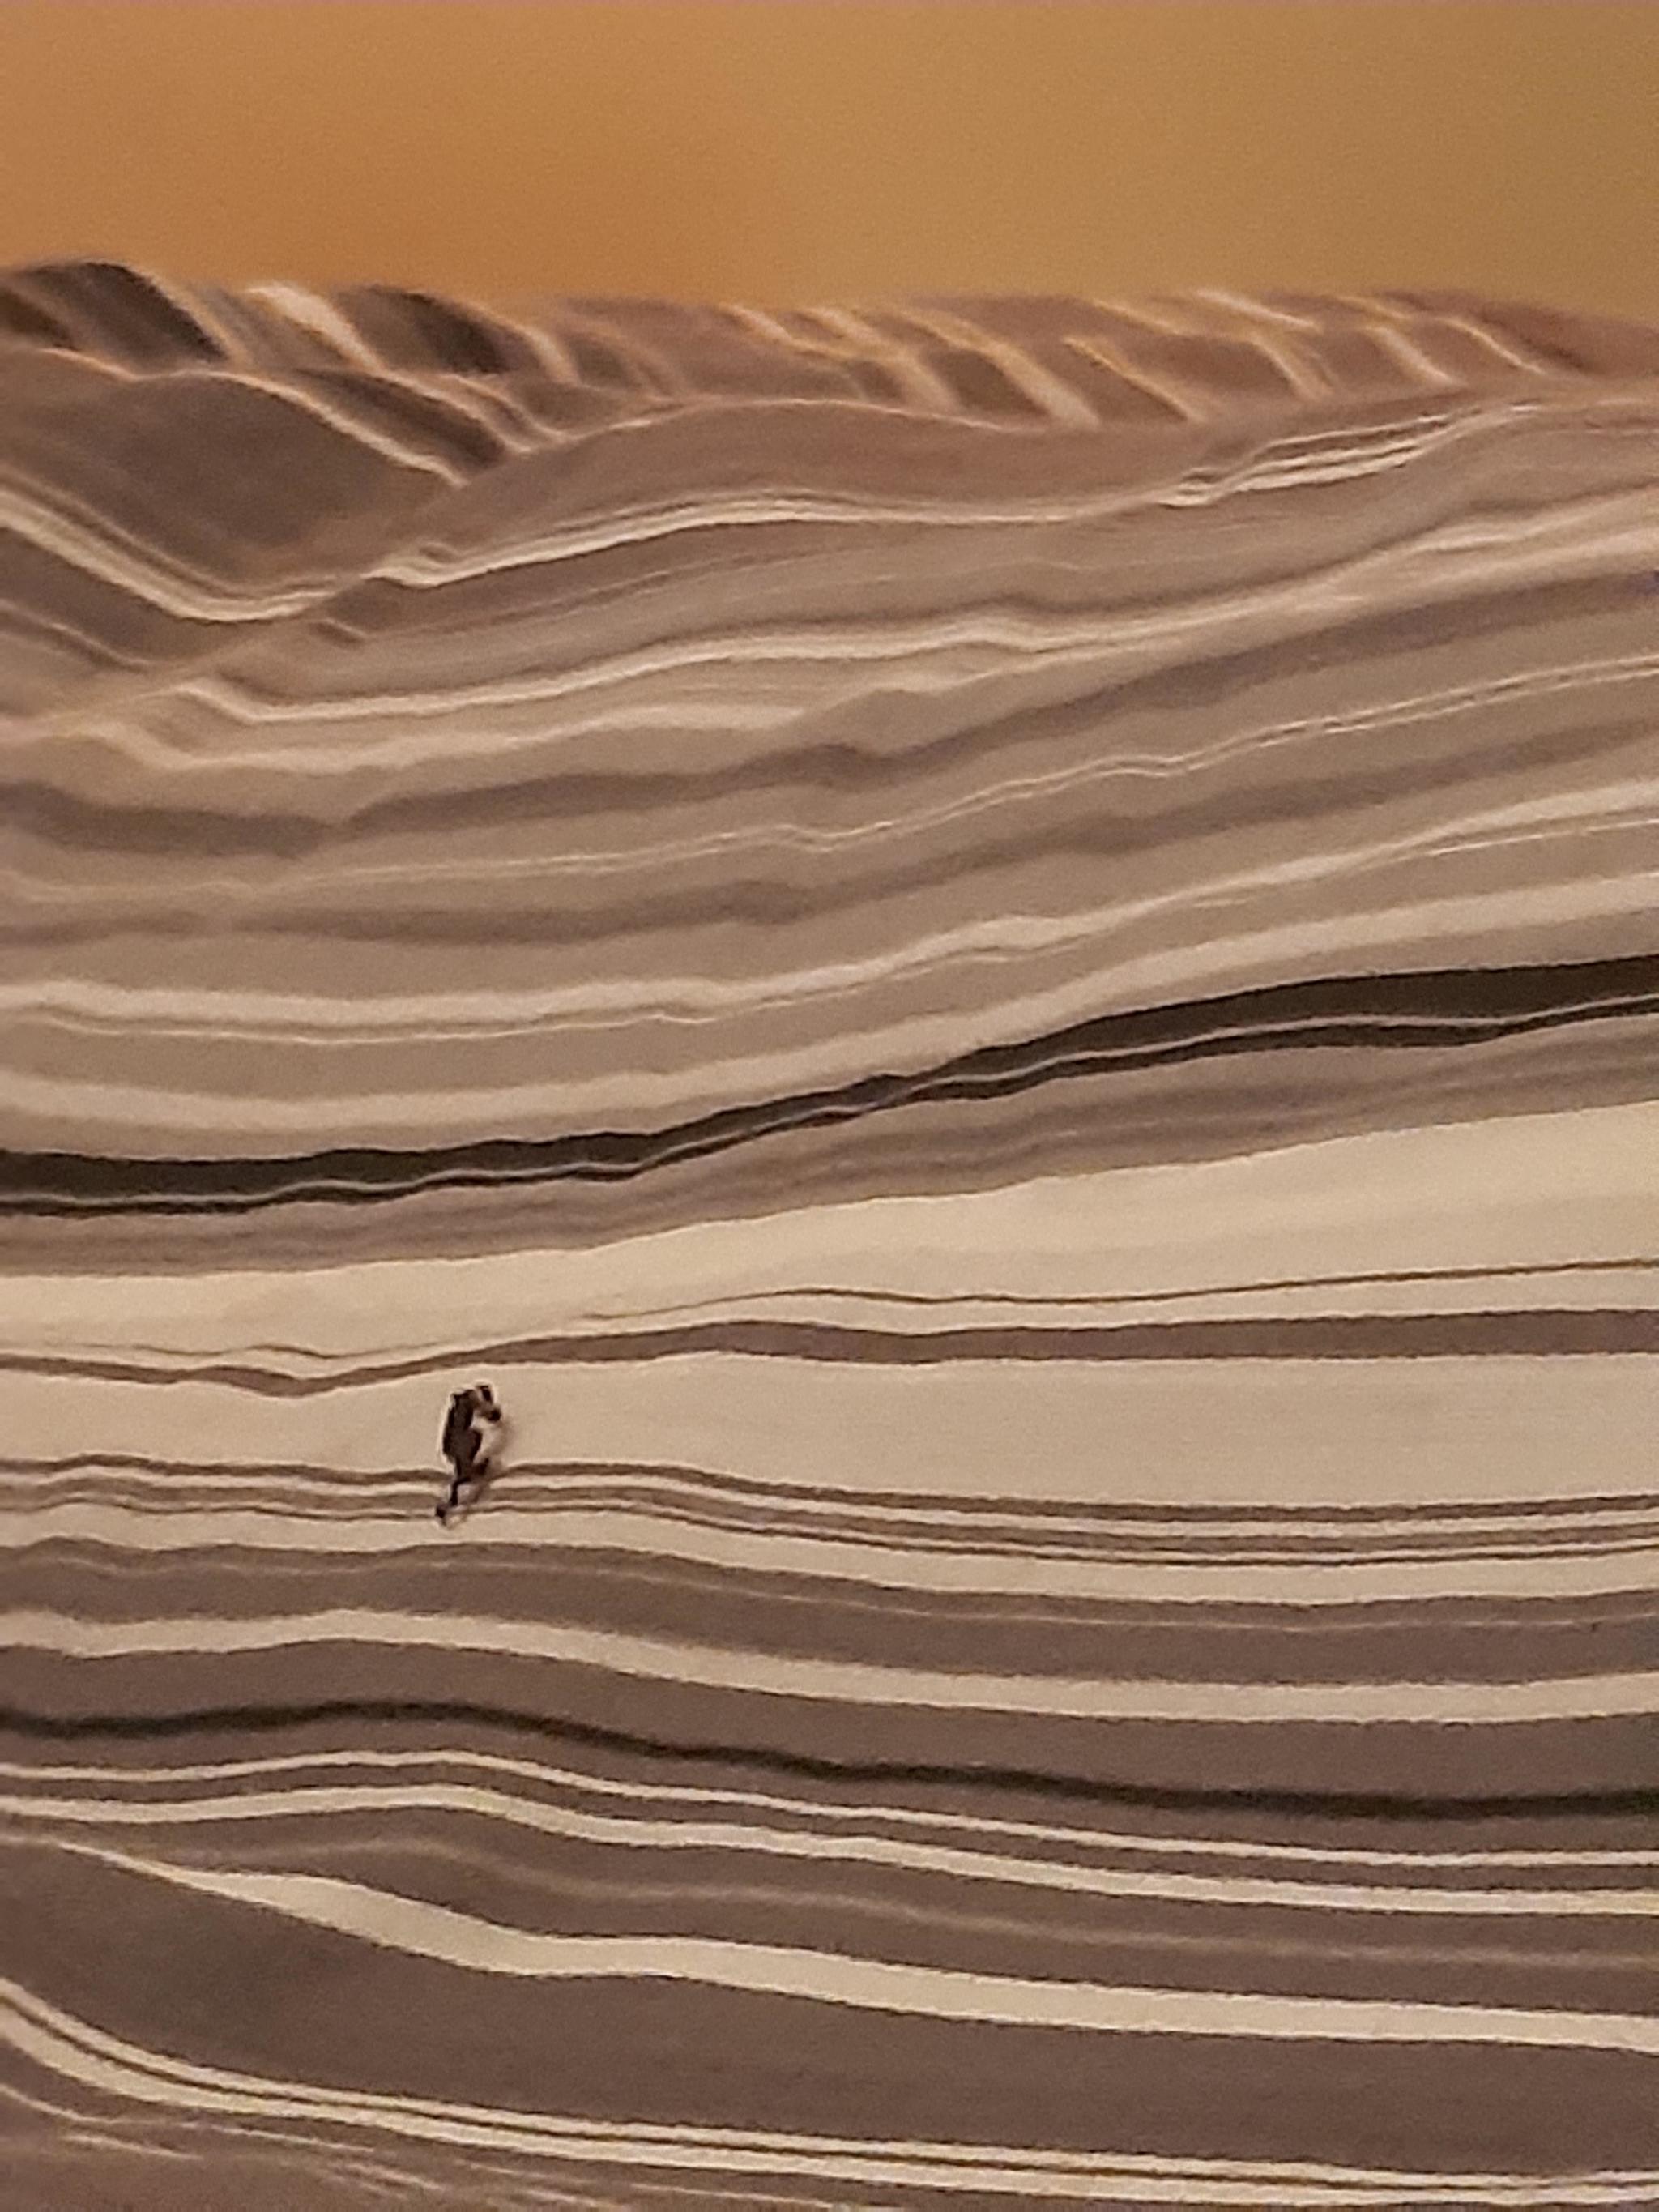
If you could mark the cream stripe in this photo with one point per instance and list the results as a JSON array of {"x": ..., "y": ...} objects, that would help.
[
  {"x": 1023, "y": 369},
  {"x": 1310, "y": 1895},
  {"x": 761, "y": 1675},
  {"x": 1596, "y": 1286},
  {"x": 1386, "y": 446},
  {"x": 867, "y": 1563},
  {"x": 1209, "y": 963},
  {"x": 460, "y": 1939},
  {"x": 1212, "y": 1433},
  {"x": 1444, "y": 561},
  {"x": 97, "y": 551},
  {"x": 1531, "y": 1191},
  {"x": 60, "y": 2044},
  {"x": 352, "y": 427},
  {"x": 542, "y": 1493},
  {"x": 323, "y": 317},
  {"x": 155, "y": 750},
  {"x": 638, "y": 1790},
  {"x": 310, "y": 1016}
]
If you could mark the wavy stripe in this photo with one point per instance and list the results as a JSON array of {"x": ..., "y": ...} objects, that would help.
[
  {"x": 299, "y": 1802},
  {"x": 1430, "y": 1703},
  {"x": 1038, "y": 1106},
  {"x": 484, "y": 1947},
  {"x": 1308, "y": 1804},
  {"x": 1527, "y": 1572},
  {"x": 63, "y": 2044}
]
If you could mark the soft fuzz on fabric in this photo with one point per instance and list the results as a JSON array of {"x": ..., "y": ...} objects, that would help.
[{"x": 997, "y": 960}]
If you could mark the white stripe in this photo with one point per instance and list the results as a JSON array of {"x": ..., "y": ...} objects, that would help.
[
  {"x": 1349, "y": 453},
  {"x": 98, "y": 551},
  {"x": 156, "y": 751},
  {"x": 312, "y": 311},
  {"x": 1583, "y": 536}
]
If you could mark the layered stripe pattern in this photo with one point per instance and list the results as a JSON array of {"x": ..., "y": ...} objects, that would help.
[{"x": 997, "y": 959}]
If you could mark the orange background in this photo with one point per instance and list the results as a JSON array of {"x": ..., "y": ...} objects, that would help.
[{"x": 788, "y": 149}]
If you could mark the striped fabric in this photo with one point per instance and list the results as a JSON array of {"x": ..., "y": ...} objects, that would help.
[{"x": 997, "y": 959}]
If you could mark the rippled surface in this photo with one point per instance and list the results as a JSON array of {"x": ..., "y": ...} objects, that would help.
[{"x": 998, "y": 961}]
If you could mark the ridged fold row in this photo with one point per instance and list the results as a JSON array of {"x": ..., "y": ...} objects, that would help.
[{"x": 997, "y": 959}]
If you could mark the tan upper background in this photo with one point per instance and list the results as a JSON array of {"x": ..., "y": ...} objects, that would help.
[{"x": 793, "y": 149}]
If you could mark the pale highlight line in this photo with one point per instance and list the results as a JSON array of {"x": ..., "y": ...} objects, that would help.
[
  {"x": 1268, "y": 467},
  {"x": 72, "y": 2048},
  {"x": 416, "y": 1928},
  {"x": 1523, "y": 1191},
  {"x": 864, "y": 1562},
  {"x": 642, "y": 1791},
  {"x": 1439, "y": 562},
  {"x": 102, "y": 554},
  {"x": 760, "y": 1674},
  {"x": 145, "y": 749},
  {"x": 634, "y": 1833},
  {"x": 1209, "y": 963},
  {"x": 1534, "y": 1190}
]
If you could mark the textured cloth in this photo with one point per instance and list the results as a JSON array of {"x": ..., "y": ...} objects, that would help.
[{"x": 997, "y": 959}]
